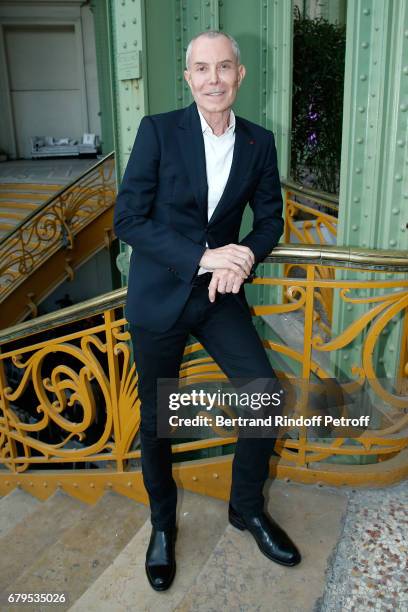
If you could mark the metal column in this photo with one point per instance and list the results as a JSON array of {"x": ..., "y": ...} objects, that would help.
[{"x": 374, "y": 166}]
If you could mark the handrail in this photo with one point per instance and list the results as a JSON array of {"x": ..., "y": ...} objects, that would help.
[
  {"x": 347, "y": 257},
  {"x": 56, "y": 195},
  {"x": 56, "y": 224},
  {"x": 84, "y": 375},
  {"x": 94, "y": 306},
  {"x": 327, "y": 199}
]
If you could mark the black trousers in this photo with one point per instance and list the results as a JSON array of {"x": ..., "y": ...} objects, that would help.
[{"x": 226, "y": 331}]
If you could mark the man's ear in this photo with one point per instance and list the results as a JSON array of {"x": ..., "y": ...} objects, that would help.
[
  {"x": 241, "y": 74},
  {"x": 187, "y": 76}
]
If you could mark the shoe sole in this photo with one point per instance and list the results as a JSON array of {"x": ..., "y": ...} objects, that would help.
[{"x": 238, "y": 524}]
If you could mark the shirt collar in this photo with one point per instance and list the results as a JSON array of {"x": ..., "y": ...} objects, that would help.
[{"x": 206, "y": 129}]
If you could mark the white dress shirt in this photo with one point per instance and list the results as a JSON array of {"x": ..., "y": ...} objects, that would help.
[{"x": 218, "y": 160}]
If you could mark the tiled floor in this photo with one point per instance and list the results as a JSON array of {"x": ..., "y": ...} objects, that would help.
[{"x": 370, "y": 569}]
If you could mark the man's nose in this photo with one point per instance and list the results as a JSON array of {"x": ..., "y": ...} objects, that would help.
[{"x": 214, "y": 76}]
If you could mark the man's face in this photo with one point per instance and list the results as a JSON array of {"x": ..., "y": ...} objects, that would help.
[{"x": 213, "y": 74}]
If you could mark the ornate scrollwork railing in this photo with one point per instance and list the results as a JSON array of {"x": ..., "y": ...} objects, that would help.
[
  {"x": 72, "y": 397},
  {"x": 310, "y": 215},
  {"x": 55, "y": 224},
  {"x": 311, "y": 218}
]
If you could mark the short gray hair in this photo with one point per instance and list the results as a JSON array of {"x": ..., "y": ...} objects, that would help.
[{"x": 214, "y": 34}]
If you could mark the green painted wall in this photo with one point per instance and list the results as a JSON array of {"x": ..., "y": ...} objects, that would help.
[
  {"x": 263, "y": 31},
  {"x": 99, "y": 10},
  {"x": 161, "y": 29},
  {"x": 374, "y": 172},
  {"x": 161, "y": 57}
]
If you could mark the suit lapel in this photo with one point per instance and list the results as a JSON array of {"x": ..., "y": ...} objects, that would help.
[
  {"x": 241, "y": 158},
  {"x": 192, "y": 149},
  {"x": 191, "y": 144}
]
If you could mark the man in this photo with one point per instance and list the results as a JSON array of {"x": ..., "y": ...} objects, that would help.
[{"x": 189, "y": 177}]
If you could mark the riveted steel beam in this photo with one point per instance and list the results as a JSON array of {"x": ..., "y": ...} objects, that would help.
[
  {"x": 127, "y": 47},
  {"x": 100, "y": 11},
  {"x": 373, "y": 207},
  {"x": 126, "y": 39}
]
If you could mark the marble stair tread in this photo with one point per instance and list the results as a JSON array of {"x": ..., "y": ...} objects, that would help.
[
  {"x": 34, "y": 534},
  {"x": 15, "y": 507},
  {"x": 124, "y": 586},
  {"x": 238, "y": 577},
  {"x": 24, "y": 196},
  {"x": 84, "y": 550},
  {"x": 41, "y": 188},
  {"x": 7, "y": 213}
]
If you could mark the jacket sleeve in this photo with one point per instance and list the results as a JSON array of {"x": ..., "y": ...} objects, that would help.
[
  {"x": 267, "y": 206},
  {"x": 132, "y": 221}
]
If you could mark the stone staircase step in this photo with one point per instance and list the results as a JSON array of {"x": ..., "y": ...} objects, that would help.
[
  {"x": 27, "y": 206},
  {"x": 33, "y": 535},
  {"x": 26, "y": 196},
  {"x": 15, "y": 507},
  {"x": 237, "y": 576},
  {"x": 23, "y": 186},
  {"x": 7, "y": 226},
  {"x": 8, "y": 213},
  {"x": 85, "y": 550},
  {"x": 123, "y": 586}
]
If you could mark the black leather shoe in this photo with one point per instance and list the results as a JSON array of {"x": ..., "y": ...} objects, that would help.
[
  {"x": 273, "y": 542},
  {"x": 160, "y": 559}
]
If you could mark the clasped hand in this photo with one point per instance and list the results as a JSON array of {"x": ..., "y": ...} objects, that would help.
[{"x": 230, "y": 265}]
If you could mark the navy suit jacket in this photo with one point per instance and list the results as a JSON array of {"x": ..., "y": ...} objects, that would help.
[{"x": 161, "y": 209}]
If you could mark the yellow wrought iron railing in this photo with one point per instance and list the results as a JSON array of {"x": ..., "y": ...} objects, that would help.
[
  {"x": 55, "y": 224},
  {"x": 311, "y": 218},
  {"x": 71, "y": 397},
  {"x": 310, "y": 215}
]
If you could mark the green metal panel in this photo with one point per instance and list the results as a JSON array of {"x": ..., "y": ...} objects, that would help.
[
  {"x": 161, "y": 56},
  {"x": 264, "y": 32},
  {"x": 128, "y": 74},
  {"x": 170, "y": 25},
  {"x": 193, "y": 17},
  {"x": 374, "y": 172},
  {"x": 100, "y": 14},
  {"x": 278, "y": 41},
  {"x": 126, "y": 41}
]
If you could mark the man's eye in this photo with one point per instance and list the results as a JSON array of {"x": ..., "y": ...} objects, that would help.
[
  {"x": 225, "y": 66},
  {"x": 201, "y": 68}
]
